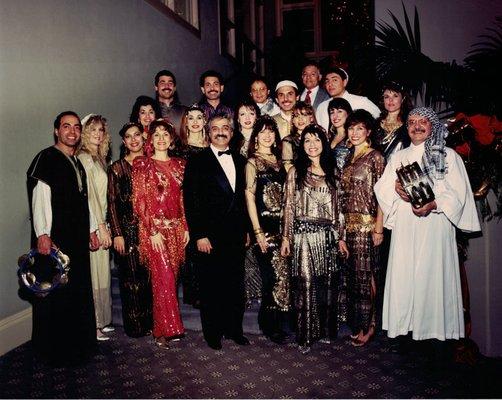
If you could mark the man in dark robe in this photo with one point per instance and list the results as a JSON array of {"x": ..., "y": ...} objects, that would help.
[
  {"x": 64, "y": 326},
  {"x": 217, "y": 219}
]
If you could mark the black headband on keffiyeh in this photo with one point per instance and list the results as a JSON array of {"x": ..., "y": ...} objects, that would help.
[{"x": 433, "y": 160}]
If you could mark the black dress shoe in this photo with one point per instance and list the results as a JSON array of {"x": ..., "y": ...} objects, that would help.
[
  {"x": 240, "y": 340},
  {"x": 214, "y": 344}
]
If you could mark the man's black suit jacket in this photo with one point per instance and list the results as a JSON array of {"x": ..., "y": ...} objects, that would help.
[{"x": 213, "y": 210}]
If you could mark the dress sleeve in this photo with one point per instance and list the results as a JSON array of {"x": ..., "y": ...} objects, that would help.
[
  {"x": 139, "y": 201},
  {"x": 42, "y": 210},
  {"x": 182, "y": 201},
  {"x": 250, "y": 171},
  {"x": 386, "y": 194},
  {"x": 94, "y": 205},
  {"x": 454, "y": 195},
  {"x": 378, "y": 166},
  {"x": 113, "y": 198},
  {"x": 289, "y": 205},
  {"x": 338, "y": 218},
  {"x": 287, "y": 154}
]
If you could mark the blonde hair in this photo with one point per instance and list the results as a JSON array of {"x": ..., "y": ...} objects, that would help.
[{"x": 104, "y": 147}]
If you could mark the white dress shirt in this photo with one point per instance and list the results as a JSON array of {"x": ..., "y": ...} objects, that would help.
[
  {"x": 313, "y": 94},
  {"x": 227, "y": 163},
  {"x": 42, "y": 210},
  {"x": 355, "y": 101}
]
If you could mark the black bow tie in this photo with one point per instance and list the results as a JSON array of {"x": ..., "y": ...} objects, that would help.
[{"x": 220, "y": 153}]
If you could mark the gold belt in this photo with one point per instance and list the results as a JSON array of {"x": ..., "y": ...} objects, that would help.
[{"x": 355, "y": 222}]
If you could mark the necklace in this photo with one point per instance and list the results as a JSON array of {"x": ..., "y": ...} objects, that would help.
[
  {"x": 265, "y": 155},
  {"x": 197, "y": 139},
  {"x": 390, "y": 127}
]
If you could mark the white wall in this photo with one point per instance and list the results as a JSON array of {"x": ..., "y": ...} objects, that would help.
[
  {"x": 448, "y": 29},
  {"x": 87, "y": 56}
]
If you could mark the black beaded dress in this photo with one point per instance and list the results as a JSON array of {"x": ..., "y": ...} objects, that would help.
[
  {"x": 134, "y": 278},
  {"x": 265, "y": 179},
  {"x": 189, "y": 274},
  {"x": 387, "y": 142}
]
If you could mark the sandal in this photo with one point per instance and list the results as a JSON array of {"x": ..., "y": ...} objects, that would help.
[{"x": 161, "y": 342}]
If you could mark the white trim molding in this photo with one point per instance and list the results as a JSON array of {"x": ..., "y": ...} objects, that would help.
[{"x": 15, "y": 330}]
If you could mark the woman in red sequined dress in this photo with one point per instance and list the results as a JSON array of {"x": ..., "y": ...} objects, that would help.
[{"x": 163, "y": 232}]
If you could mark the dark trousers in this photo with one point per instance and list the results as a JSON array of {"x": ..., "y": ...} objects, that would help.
[{"x": 221, "y": 284}]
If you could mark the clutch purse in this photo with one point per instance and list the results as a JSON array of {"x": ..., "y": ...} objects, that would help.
[
  {"x": 54, "y": 268},
  {"x": 416, "y": 184}
]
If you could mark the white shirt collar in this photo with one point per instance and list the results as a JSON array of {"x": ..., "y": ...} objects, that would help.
[
  {"x": 313, "y": 92},
  {"x": 215, "y": 150}
]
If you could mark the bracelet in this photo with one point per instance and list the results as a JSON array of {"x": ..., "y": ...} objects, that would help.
[
  {"x": 258, "y": 231},
  {"x": 378, "y": 233}
]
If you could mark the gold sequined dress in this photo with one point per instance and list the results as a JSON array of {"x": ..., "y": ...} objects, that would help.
[
  {"x": 313, "y": 225},
  {"x": 265, "y": 179},
  {"x": 360, "y": 207},
  {"x": 158, "y": 200}
]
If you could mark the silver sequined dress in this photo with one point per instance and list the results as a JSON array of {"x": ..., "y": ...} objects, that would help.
[{"x": 313, "y": 225}]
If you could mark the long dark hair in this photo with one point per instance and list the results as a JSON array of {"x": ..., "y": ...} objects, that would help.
[
  {"x": 265, "y": 122},
  {"x": 144, "y": 101},
  {"x": 326, "y": 160},
  {"x": 406, "y": 104},
  {"x": 337, "y": 103}
]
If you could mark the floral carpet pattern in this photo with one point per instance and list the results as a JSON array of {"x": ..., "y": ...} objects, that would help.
[{"x": 136, "y": 368}]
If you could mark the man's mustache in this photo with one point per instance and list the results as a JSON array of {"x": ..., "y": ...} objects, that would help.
[
  {"x": 221, "y": 136},
  {"x": 418, "y": 130}
]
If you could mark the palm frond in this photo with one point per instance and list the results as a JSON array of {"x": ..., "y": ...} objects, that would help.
[{"x": 417, "y": 31}]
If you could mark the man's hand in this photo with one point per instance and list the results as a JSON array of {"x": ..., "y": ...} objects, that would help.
[
  {"x": 401, "y": 192},
  {"x": 44, "y": 244},
  {"x": 425, "y": 209},
  {"x": 204, "y": 245},
  {"x": 119, "y": 244},
  {"x": 93, "y": 241}
]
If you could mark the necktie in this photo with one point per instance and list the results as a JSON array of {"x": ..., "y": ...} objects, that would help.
[
  {"x": 308, "y": 100},
  {"x": 220, "y": 153}
]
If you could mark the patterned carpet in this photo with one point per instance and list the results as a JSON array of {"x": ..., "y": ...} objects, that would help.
[{"x": 135, "y": 368}]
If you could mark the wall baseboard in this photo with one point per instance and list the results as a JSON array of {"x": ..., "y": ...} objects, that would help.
[{"x": 15, "y": 330}]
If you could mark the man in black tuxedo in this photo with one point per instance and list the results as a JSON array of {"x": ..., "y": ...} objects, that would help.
[{"x": 217, "y": 219}]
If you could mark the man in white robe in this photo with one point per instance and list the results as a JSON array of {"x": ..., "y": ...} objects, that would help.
[{"x": 422, "y": 288}]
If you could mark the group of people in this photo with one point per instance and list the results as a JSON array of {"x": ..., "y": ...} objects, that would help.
[{"x": 293, "y": 199}]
